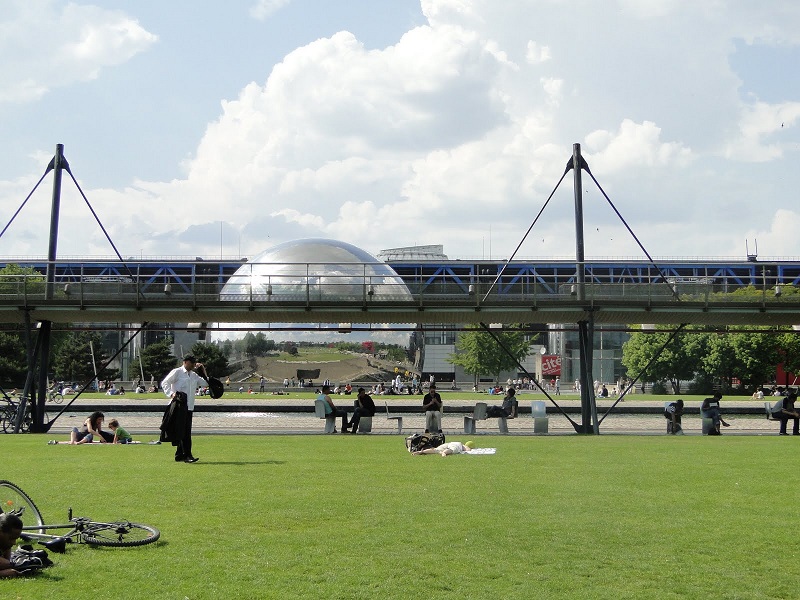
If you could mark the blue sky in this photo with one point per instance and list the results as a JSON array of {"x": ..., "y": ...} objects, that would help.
[{"x": 197, "y": 128}]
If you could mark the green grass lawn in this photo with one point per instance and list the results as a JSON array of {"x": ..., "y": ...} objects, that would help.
[{"x": 358, "y": 517}]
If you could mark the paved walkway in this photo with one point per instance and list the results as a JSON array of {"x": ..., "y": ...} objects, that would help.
[{"x": 145, "y": 424}]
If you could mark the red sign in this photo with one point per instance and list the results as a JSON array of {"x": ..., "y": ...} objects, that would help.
[{"x": 551, "y": 364}]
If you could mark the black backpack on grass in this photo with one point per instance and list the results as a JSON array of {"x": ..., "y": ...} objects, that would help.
[{"x": 421, "y": 441}]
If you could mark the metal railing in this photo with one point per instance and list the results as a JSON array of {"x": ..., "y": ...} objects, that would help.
[{"x": 364, "y": 283}]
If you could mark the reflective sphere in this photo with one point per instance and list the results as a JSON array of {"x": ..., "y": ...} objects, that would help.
[{"x": 315, "y": 269}]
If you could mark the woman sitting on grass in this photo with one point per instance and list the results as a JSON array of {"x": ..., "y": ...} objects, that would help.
[{"x": 92, "y": 427}]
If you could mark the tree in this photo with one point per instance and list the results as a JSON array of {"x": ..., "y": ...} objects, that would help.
[
  {"x": 749, "y": 357},
  {"x": 789, "y": 343},
  {"x": 16, "y": 280},
  {"x": 157, "y": 360},
  {"x": 258, "y": 344},
  {"x": 13, "y": 359},
  {"x": 396, "y": 354},
  {"x": 212, "y": 357},
  {"x": 478, "y": 352},
  {"x": 677, "y": 362},
  {"x": 73, "y": 358}
]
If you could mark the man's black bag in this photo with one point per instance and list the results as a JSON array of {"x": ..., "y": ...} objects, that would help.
[
  {"x": 215, "y": 388},
  {"x": 421, "y": 441}
]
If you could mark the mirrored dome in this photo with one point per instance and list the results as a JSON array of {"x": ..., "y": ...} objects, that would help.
[{"x": 315, "y": 269}]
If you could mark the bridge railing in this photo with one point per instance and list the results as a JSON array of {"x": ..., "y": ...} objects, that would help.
[{"x": 319, "y": 283}]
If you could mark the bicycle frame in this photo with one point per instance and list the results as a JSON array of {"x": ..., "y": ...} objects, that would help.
[
  {"x": 76, "y": 525},
  {"x": 81, "y": 530}
]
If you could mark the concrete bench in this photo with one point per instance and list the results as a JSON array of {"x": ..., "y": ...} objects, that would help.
[
  {"x": 669, "y": 422},
  {"x": 397, "y": 418},
  {"x": 478, "y": 414},
  {"x": 768, "y": 410},
  {"x": 502, "y": 422},
  {"x": 707, "y": 423},
  {"x": 539, "y": 414},
  {"x": 365, "y": 425},
  {"x": 330, "y": 420},
  {"x": 433, "y": 421}
]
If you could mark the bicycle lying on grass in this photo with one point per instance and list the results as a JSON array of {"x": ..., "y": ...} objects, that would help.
[{"x": 82, "y": 530}]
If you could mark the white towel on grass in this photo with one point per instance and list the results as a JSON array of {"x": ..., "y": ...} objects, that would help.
[{"x": 481, "y": 451}]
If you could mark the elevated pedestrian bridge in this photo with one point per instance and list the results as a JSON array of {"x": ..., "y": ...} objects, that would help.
[{"x": 426, "y": 292}]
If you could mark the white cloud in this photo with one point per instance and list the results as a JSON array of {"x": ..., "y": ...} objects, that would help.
[
  {"x": 263, "y": 9},
  {"x": 46, "y": 45},
  {"x": 458, "y": 132},
  {"x": 758, "y": 125},
  {"x": 633, "y": 145},
  {"x": 537, "y": 53}
]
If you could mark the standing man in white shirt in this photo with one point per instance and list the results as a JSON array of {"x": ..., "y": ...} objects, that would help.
[{"x": 184, "y": 379}]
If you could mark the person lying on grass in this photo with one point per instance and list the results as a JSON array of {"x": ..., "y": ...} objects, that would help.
[{"x": 447, "y": 449}]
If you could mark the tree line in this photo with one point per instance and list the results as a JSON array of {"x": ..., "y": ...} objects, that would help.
[{"x": 742, "y": 359}]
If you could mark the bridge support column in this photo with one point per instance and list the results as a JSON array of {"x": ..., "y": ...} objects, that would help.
[
  {"x": 58, "y": 164},
  {"x": 585, "y": 328}
]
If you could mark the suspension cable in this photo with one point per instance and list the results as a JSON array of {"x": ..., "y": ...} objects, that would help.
[
  {"x": 524, "y": 370},
  {"x": 108, "y": 237},
  {"x": 625, "y": 223},
  {"x": 26, "y": 200},
  {"x": 513, "y": 254},
  {"x": 643, "y": 371}
]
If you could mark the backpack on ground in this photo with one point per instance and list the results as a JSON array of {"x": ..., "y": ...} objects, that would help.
[{"x": 421, "y": 441}]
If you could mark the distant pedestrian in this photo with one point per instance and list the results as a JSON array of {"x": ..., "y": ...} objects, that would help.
[{"x": 261, "y": 383}]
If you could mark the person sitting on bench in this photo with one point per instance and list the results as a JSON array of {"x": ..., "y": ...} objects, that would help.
[
  {"x": 783, "y": 410},
  {"x": 432, "y": 406},
  {"x": 710, "y": 409},
  {"x": 330, "y": 407},
  {"x": 673, "y": 413},
  {"x": 507, "y": 409},
  {"x": 364, "y": 407}
]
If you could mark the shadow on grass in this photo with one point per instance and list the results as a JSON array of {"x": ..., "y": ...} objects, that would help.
[{"x": 239, "y": 462}]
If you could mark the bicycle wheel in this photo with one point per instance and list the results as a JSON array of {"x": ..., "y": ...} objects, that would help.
[
  {"x": 13, "y": 500},
  {"x": 121, "y": 534},
  {"x": 6, "y": 420}
]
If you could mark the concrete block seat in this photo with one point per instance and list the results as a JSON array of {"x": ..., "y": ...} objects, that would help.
[
  {"x": 478, "y": 414},
  {"x": 539, "y": 414},
  {"x": 502, "y": 422},
  {"x": 330, "y": 420}
]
